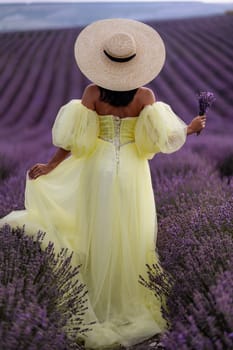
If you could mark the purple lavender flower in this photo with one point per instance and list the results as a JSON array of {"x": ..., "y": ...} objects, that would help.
[
  {"x": 208, "y": 320},
  {"x": 42, "y": 302},
  {"x": 195, "y": 246},
  {"x": 205, "y": 100}
]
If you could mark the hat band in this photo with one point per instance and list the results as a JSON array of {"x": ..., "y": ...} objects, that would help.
[{"x": 119, "y": 59}]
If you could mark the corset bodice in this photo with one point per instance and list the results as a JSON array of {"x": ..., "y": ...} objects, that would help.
[{"x": 116, "y": 129}]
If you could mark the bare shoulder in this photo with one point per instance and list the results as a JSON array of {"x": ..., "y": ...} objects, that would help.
[
  {"x": 146, "y": 96},
  {"x": 90, "y": 96}
]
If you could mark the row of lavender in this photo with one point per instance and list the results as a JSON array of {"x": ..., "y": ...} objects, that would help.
[
  {"x": 194, "y": 202},
  {"x": 38, "y": 71},
  {"x": 195, "y": 243}
]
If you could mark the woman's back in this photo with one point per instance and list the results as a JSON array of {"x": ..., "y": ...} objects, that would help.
[{"x": 92, "y": 99}]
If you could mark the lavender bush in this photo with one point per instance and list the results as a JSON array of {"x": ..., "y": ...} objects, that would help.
[
  {"x": 226, "y": 167},
  {"x": 7, "y": 167},
  {"x": 208, "y": 321},
  {"x": 42, "y": 302},
  {"x": 195, "y": 243},
  {"x": 12, "y": 194}
]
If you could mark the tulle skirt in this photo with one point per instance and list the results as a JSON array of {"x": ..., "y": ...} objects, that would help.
[{"x": 103, "y": 210}]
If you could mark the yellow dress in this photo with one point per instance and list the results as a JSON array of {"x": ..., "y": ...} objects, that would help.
[{"x": 99, "y": 203}]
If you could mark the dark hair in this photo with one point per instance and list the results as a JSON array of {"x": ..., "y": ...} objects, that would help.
[{"x": 117, "y": 98}]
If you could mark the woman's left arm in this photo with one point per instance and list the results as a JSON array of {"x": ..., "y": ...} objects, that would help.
[{"x": 43, "y": 169}]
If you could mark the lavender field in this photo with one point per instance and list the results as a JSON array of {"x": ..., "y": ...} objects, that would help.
[{"x": 193, "y": 187}]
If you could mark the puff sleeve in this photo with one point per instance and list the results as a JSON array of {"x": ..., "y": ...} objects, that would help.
[
  {"x": 159, "y": 129},
  {"x": 75, "y": 128}
]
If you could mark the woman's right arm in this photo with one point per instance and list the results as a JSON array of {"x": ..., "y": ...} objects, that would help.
[
  {"x": 43, "y": 169},
  {"x": 197, "y": 124}
]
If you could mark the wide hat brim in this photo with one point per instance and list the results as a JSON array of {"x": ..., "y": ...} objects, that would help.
[{"x": 119, "y": 76}]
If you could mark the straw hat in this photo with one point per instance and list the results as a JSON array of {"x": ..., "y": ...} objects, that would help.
[{"x": 119, "y": 54}]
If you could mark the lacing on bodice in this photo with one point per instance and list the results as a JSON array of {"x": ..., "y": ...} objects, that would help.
[
  {"x": 119, "y": 131},
  {"x": 112, "y": 128}
]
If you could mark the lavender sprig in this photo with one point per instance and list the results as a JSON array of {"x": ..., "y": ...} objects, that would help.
[{"x": 205, "y": 99}]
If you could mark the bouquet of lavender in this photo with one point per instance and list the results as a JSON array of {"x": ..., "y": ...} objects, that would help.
[{"x": 205, "y": 99}]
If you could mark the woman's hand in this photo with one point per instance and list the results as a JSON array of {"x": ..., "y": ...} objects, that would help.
[
  {"x": 197, "y": 124},
  {"x": 39, "y": 169},
  {"x": 43, "y": 169}
]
